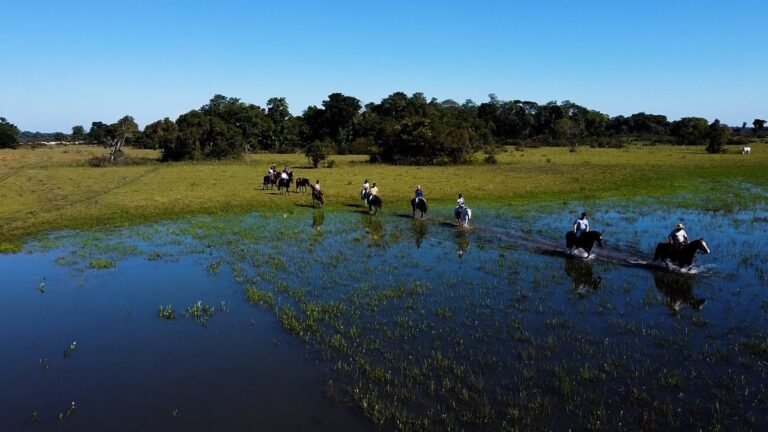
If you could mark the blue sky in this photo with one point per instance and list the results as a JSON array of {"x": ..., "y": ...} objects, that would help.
[{"x": 69, "y": 63}]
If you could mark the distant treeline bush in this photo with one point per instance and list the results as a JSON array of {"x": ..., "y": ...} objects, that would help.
[{"x": 403, "y": 129}]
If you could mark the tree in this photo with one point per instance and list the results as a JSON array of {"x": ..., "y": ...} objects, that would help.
[
  {"x": 78, "y": 134},
  {"x": 690, "y": 131},
  {"x": 717, "y": 135},
  {"x": 317, "y": 152},
  {"x": 118, "y": 133},
  {"x": 759, "y": 125},
  {"x": 9, "y": 134},
  {"x": 160, "y": 134},
  {"x": 98, "y": 133}
]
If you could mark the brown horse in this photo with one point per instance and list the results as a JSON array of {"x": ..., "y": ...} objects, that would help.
[
  {"x": 317, "y": 196},
  {"x": 284, "y": 183},
  {"x": 682, "y": 256},
  {"x": 301, "y": 184},
  {"x": 270, "y": 180}
]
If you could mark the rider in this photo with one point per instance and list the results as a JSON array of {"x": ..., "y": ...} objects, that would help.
[
  {"x": 317, "y": 185},
  {"x": 459, "y": 207},
  {"x": 284, "y": 174},
  {"x": 419, "y": 195},
  {"x": 271, "y": 170},
  {"x": 366, "y": 189},
  {"x": 581, "y": 225},
  {"x": 678, "y": 237},
  {"x": 374, "y": 190}
]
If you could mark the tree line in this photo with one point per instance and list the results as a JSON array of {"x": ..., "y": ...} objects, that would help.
[{"x": 401, "y": 129}]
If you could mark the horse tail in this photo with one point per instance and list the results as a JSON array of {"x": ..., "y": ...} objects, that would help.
[{"x": 657, "y": 253}]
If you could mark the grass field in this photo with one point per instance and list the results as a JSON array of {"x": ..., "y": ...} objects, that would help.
[{"x": 54, "y": 188}]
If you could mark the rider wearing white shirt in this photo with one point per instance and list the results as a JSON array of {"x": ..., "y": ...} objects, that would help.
[
  {"x": 581, "y": 225},
  {"x": 459, "y": 206},
  {"x": 678, "y": 236}
]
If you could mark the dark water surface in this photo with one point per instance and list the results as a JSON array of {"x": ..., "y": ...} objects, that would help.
[{"x": 357, "y": 320}]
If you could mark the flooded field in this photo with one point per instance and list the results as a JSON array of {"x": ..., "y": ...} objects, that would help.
[{"x": 346, "y": 321}]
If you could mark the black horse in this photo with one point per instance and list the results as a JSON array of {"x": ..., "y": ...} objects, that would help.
[
  {"x": 585, "y": 241},
  {"x": 317, "y": 196},
  {"x": 270, "y": 180},
  {"x": 679, "y": 291},
  {"x": 681, "y": 256},
  {"x": 420, "y": 205},
  {"x": 374, "y": 202},
  {"x": 285, "y": 183},
  {"x": 301, "y": 184}
]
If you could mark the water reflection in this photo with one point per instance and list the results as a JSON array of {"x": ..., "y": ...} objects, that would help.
[
  {"x": 318, "y": 218},
  {"x": 582, "y": 276},
  {"x": 419, "y": 230},
  {"x": 679, "y": 291},
  {"x": 461, "y": 238},
  {"x": 373, "y": 227}
]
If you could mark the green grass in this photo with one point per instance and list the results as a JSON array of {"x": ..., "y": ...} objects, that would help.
[{"x": 51, "y": 189}]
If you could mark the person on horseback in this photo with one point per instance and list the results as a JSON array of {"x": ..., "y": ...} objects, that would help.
[
  {"x": 419, "y": 195},
  {"x": 284, "y": 174},
  {"x": 374, "y": 190},
  {"x": 678, "y": 237},
  {"x": 317, "y": 185},
  {"x": 459, "y": 207},
  {"x": 366, "y": 189},
  {"x": 581, "y": 225}
]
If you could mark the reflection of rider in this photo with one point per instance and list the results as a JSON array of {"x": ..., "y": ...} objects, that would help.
[
  {"x": 462, "y": 243},
  {"x": 678, "y": 237},
  {"x": 581, "y": 225},
  {"x": 459, "y": 207}
]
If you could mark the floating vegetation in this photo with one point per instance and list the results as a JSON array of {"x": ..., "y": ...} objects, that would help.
[
  {"x": 166, "y": 312},
  {"x": 200, "y": 312},
  {"x": 213, "y": 267},
  {"x": 101, "y": 264},
  {"x": 41, "y": 286},
  {"x": 44, "y": 364},
  {"x": 69, "y": 411},
  {"x": 255, "y": 296}
]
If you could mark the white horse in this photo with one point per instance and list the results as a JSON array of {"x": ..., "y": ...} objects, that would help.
[
  {"x": 465, "y": 214},
  {"x": 746, "y": 150}
]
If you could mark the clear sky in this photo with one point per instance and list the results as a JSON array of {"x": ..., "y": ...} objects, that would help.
[{"x": 69, "y": 63}]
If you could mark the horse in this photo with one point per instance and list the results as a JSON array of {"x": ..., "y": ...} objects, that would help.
[
  {"x": 374, "y": 202},
  {"x": 419, "y": 204},
  {"x": 682, "y": 256},
  {"x": 285, "y": 183},
  {"x": 585, "y": 241},
  {"x": 746, "y": 150},
  {"x": 269, "y": 181},
  {"x": 317, "y": 196},
  {"x": 364, "y": 194},
  {"x": 463, "y": 215},
  {"x": 301, "y": 184}
]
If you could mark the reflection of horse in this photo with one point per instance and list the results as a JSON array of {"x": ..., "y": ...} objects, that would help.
[
  {"x": 463, "y": 215},
  {"x": 462, "y": 242},
  {"x": 679, "y": 290},
  {"x": 581, "y": 274},
  {"x": 285, "y": 183},
  {"x": 301, "y": 184},
  {"x": 681, "y": 256},
  {"x": 419, "y": 230},
  {"x": 318, "y": 217},
  {"x": 317, "y": 196},
  {"x": 585, "y": 241},
  {"x": 419, "y": 204},
  {"x": 374, "y": 202}
]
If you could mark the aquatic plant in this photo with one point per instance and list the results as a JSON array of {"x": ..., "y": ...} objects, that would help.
[
  {"x": 166, "y": 312},
  {"x": 200, "y": 312}
]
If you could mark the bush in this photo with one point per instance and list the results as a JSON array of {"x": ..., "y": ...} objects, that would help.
[{"x": 490, "y": 159}]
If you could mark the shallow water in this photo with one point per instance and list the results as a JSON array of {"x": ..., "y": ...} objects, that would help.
[{"x": 409, "y": 323}]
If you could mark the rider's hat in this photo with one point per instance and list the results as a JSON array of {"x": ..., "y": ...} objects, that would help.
[{"x": 679, "y": 226}]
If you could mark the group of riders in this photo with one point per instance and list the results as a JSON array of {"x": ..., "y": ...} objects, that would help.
[{"x": 677, "y": 238}]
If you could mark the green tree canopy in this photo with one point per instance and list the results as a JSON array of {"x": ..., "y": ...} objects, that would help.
[{"x": 9, "y": 134}]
